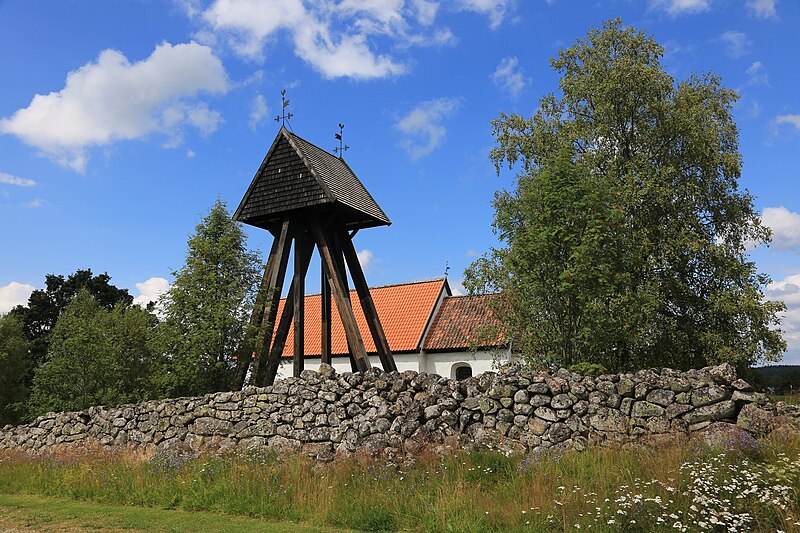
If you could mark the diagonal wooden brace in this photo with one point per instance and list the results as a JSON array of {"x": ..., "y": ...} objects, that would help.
[
  {"x": 367, "y": 304},
  {"x": 335, "y": 273},
  {"x": 277, "y": 274}
]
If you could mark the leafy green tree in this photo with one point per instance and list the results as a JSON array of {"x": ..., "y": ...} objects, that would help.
[
  {"x": 208, "y": 305},
  {"x": 681, "y": 289},
  {"x": 14, "y": 362},
  {"x": 562, "y": 275},
  {"x": 97, "y": 356},
  {"x": 46, "y": 305}
]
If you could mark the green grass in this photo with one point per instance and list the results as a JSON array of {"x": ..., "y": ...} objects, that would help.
[
  {"x": 788, "y": 398},
  {"x": 45, "y": 513},
  {"x": 634, "y": 489}
]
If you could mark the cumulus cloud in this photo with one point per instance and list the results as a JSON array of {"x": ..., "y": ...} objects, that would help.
[
  {"x": 680, "y": 7},
  {"x": 787, "y": 290},
  {"x": 425, "y": 11},
  {"x": 150, "y": 290},
  {"x": 736, "y": 42},
  {"x": 335, "y": 50},
  {"x": 785, "y": 227},
  {"x": 258, "y": 111},
  {"x": 14, "y": 294},
  {"x": 422, "y": 128},
  {"x": 494, "y": 9},
  {"x": 338, "y": 40},
  {"x": 792, "y": 120},
  {"x": 764, "y": 9},
  {"x": 10, "y": 179},
  {"x": 508, "y": 76},
  {"x": 114, "y": 99},
  {"x": 366, "y": 258}
]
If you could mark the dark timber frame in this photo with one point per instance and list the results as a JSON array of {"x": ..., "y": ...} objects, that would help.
[{"x": 307, "y": 199}]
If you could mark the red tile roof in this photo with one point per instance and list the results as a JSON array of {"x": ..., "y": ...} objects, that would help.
[
  {"x": 404, "y": 310},
  {"x": 458, "y": 324}
]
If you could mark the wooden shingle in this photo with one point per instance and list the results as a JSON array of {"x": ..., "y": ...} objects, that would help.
[{"x": 297, "y": 176}]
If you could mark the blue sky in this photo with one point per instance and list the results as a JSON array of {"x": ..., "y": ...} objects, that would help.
[{"x": 122, "y": 122}]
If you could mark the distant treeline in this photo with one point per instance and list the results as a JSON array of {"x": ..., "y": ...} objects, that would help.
[{"x": 780, "y": 379}]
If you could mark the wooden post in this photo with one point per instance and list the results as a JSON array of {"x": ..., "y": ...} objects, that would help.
[
  {"x": 277, "y": 275},
  {"x": 282, "y": 331},
  {"x": 244, "y": 354},
  {"x": 247, "y": 349},
  {"x": 339, "y": 258},
  {"x": 279, "y": 342},
  {"x": 367, "y": 304},
  {"x": 335, "y": 275},
  {"x": 303, "y": 247},
  {"x": 326, "y": 318}
]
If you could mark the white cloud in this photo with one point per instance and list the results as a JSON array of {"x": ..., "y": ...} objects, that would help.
[
  {"x": 457, "y": 287},
  {"x": 472, "y": 253},
  {"x": 366, "y": 258},
  {"x": 793, "y": 120},
  {"x": 258, "y": 111},
  {"x": 508, "y": 76},
  {"x": 425, "y": 11},
  {"x": 33, "y": 204},
  {"x": 785, "y": 227},
  {"x": 494, "y": 9},
  {"x": 15, "y": 180},
  {"x": 349, "y": 56},
  {"x": 14, "y": 294},
  {"x": 762, "y": 8},
  {"x": 737, "y": 43},
  {"x": 422, "y": 128},
  {"x": 113, "y": 99},
  {"x": 679, "y": 7},
  {"x": 788, "y": 291},
  {"x": 756, "y": 74},
  {"x": 150, "y": 290},
  {"x": 247, "y": 26}
]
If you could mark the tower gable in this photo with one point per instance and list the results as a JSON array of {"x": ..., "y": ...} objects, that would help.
[{"x": 282, "y": 184}]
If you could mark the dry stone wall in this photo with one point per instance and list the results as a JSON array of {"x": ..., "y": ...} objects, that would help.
[{"x": 326, "y": 414}]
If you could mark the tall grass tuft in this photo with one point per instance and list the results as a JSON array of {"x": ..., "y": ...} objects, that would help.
[{"x": 734, "y": 484}]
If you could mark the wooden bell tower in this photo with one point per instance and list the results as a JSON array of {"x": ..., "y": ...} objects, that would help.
[{"x": 308, "y": 197}]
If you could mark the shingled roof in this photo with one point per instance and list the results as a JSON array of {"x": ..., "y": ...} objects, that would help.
[
  {"x": 405, "y": 311},
  {"x": 459, "y": 323},
  {"x": 298, "y": 175}
]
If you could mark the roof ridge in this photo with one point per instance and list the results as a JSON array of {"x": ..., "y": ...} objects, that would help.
[
  {"x": 372, "y": 287},
  {"x": 472, "y": 295}
]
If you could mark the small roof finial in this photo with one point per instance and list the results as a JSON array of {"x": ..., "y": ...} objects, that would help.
[
  {"x": 284, "y": 116},
  {"x": 342, "y": 147},
  {"x": 446, "y": 268}
]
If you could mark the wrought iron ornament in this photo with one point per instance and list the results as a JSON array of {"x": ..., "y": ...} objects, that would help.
[
  {"x": 342, "y": 147},
  {"x": 284, "y": 116}
]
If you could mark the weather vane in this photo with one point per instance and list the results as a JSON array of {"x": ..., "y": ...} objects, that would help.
[
  {"x": 446, "y": 268},
  {"x": 284, "y": 116},
  {"x": 342, "y": 147}
]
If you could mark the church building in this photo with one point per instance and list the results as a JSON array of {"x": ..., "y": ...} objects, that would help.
[{"x": 428, "y": 330}]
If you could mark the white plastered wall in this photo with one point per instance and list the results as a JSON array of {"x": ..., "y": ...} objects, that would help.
[
  {"x": 404, "y": 361},
  {"x": 445, "y": 363}
]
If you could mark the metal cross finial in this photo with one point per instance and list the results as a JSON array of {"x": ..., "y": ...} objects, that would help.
[
  {"x": 342, "y": 147},
  {"x": 284, "y": 116}
]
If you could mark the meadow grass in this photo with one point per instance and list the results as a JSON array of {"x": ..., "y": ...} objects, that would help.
[
  {"x": 790, "y": 398},
  {"x": 736, "y": 485},
  {"x": 24, "y": 512}
]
